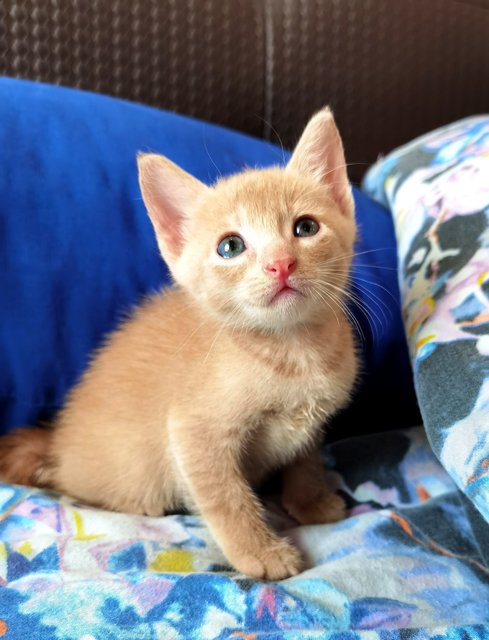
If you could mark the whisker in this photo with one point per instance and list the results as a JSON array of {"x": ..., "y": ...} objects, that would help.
[
  {"x": 318, "y": 295},
  {"x": 373, "y": 298},
  {"x": 384, "y": 322},
  {"x": 337, "y": 299},
  {"x": 187, "y": 339},
  {"x": 209, "y": 155},
  {"x": 374, "y": 266},
  {"x": 375, "y": 321},
  {"x": 345, "y": 166},
  {"x": 355, "y": 254},
  {"x": 369, "y": 314},
  {"x": 358, "y": 282},
  {"x": 218, "y": 333},
  {"x": 350, "y": 316},
  {"x": 272, "y": 128}
]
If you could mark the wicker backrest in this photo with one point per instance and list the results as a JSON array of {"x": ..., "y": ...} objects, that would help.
[{"x": 391, "y": 69}]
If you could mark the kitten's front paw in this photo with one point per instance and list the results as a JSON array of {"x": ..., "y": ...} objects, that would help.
[
  {"x": 327, "y": 507},
  {"x": 274, "y": 561}
]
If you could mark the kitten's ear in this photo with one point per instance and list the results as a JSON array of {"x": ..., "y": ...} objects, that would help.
[
  {"x": 170, "y": 194},
  {"x": 319, "y": 154}
]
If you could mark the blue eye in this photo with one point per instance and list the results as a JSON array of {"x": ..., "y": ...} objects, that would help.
[
  {"x": 305, "y": 227},
  {"x": 230, "y": 247}
]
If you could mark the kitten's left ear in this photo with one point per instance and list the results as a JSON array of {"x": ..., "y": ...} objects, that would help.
[
  {"x": 170, "y": 194},
  {"x": 319, "y": 154}
]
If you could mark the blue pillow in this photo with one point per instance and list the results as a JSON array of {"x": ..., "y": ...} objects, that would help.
[{"x": 77, "y": 250}]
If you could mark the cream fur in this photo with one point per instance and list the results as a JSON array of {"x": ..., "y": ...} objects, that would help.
[{"x": 209, "y": 386}]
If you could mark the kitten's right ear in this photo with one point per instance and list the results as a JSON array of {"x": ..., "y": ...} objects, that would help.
[{"x": 170, "y": 194}]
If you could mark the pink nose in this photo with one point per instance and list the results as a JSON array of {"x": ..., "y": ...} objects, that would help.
[{"x": 281, "y": 268}]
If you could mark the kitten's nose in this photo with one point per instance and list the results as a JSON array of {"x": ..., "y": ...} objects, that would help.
[{"x": 281, "y": 268}]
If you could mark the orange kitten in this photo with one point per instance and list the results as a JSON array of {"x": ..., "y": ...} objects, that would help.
[{"x": 232, "y": 372}]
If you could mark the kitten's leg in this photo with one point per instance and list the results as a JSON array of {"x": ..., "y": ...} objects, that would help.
[
  {"x": 210, "y": 466},
  {"x": 305, "y": 495}
]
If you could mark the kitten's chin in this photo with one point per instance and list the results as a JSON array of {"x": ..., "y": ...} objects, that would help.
[
  {"x": 284, "y": 311},
  {"x": 275, "y": 312}
]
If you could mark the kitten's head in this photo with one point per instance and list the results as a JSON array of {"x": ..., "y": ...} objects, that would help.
[{"x": 265, "y": 248}]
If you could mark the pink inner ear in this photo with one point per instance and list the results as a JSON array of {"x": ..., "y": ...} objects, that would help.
[
  {"x": 170, "y": 227},
  {"x": 170, "y": 195},
  {"x": 166, "y": 218}
]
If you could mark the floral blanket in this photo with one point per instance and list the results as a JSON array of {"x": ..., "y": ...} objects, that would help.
[{"x": 405, "y": 564}]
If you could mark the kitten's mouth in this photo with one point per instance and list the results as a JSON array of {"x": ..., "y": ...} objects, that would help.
[{"x": 284, "y": 292}]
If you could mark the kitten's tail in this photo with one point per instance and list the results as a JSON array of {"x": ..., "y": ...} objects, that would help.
[{"x": 24, "y": 457}]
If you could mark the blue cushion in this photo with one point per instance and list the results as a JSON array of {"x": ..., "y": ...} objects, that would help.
[{"x": 77, "y": 249}]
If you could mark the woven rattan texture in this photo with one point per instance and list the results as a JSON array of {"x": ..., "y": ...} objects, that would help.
[
  {"x": 391, "y": 69},
  {"x": 199, "y": 58}
]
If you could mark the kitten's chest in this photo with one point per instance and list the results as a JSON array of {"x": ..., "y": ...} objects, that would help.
[
  {"x": 291, "y": 422},
  {"x": 294, "y": 424},
  {"x": 295, "y": 389}
]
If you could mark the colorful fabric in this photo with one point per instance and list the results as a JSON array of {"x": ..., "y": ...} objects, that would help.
[
  {"x": 438, "y": 190},
  {"x": 403, "y": 565}
]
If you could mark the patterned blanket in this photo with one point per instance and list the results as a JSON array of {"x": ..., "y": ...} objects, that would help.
[{"x": 404, "y": 564}]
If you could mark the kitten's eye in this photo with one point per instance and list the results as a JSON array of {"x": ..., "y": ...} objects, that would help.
[
  {"x": 230, "y": 247},
  {"x": 305, "y": 227}
]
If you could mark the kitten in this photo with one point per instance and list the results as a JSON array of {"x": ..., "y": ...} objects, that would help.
[{"x": 231, "y": 373}]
